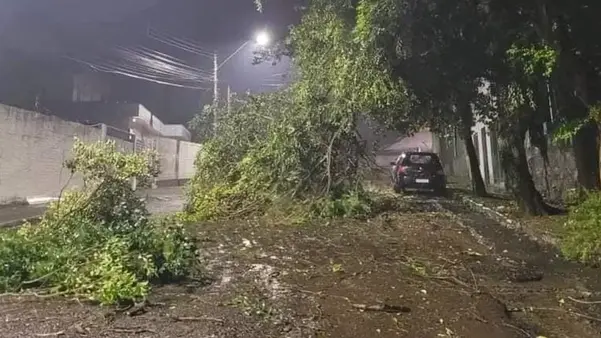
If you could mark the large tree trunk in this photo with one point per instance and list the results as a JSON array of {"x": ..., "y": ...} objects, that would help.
[
  {"x": 587, "y": 160},
  {"x": 518, "y": 179},
  {"x": 478, "y": 186}
]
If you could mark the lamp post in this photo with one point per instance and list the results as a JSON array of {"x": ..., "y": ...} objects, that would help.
[{"x": 261, "y": 39}]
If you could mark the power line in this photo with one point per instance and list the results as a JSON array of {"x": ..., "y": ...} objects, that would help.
[
  {"x": 162, "y": 67},
  {"x": 179, "y": 40},
  {"x": 147, "y": 64},
  {"x": 173, "y": 42},
  {"x": 118, "y": 70},
  {"x": 149, "y": 72},
  {"x": 166, "y": 58}
]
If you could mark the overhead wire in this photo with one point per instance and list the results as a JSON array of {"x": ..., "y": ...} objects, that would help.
[
  {"x": 163, "y": 67},
  {"x": 136, "y": 75},
  {"x": 175, "y": 42},
  {"x": 159, "y": 68},
  {"x": 166, "y": 58},
  {"x": 148, "y": 64},
  {"x": 277, "y": 80},
  {"x": 189, "y": 43},
  {"x": 147, "y": 72}
]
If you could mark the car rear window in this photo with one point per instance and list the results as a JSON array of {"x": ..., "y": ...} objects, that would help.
[{"x": 421, "y": 159}]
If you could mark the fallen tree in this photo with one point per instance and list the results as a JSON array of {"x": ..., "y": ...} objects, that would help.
[{"x": 98, "y": 242}]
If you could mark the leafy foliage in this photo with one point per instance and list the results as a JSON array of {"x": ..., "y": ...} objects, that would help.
[
  {"x": 534, "y": 59},
  {"x": 568, "y": 129},
  {"x": 582, "y": 238},
  {"x": 273, "y": 148},
  {"x": 444, "y": 64},
  {"x": 298, "y": 145},
  {"x": 98, "y": 242}
]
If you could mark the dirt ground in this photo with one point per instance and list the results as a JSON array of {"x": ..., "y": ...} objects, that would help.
[{"x": 433, "y": 269}]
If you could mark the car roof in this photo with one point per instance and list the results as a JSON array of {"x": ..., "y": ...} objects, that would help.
[{"x": 421, "y": 153}]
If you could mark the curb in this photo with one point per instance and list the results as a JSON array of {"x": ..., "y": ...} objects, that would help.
[
  {"x": 15, "y": 203},
  {"x": 18, "y": 223},
  {"x": 41, "y": 200},
  {"x": 507, "y": 222}
]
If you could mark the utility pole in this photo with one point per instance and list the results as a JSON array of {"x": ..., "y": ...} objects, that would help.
[
  {"x": 229, "y": 100},
  {"x": 215, "y": 79},
  {"x": 215, "y": 92}
]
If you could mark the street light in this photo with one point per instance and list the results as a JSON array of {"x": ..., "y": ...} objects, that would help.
[{"x": 262, "y": 39}]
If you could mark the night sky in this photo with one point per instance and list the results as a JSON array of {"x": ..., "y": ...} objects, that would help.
[{"x": 89, "y": 29}]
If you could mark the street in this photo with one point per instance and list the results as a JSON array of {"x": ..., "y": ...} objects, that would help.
[
  {"x": 159, "y": 201},
  {"x": 430, "y": 268}
]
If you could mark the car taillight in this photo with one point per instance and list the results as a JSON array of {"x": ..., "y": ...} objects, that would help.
[{"x": 401, "y": 170}]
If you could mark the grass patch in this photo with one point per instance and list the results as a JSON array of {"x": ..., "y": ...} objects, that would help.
[{"x": 581, "y": 238}]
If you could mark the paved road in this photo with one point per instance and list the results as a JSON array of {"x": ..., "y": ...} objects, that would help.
[{"x": 159, "y": 201}]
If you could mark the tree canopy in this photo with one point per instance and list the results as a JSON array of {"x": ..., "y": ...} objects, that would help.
[{"x": 442, "y": 65}]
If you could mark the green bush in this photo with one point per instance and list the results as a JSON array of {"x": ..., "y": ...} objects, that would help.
[
  {"x": 572, "y": 197},
  {"x": 274, "y": 149},
  {"x": 581, "y": 239},
  {"x": 298, "y": 148},
  {"x": 356, "y": 204},
  {"x": 97, "y": 242}
]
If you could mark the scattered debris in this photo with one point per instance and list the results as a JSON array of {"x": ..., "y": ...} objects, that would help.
[
  {"x": 382, "y": 308},
  {"x": 53, "y": 334},
  {"x": 137, "y": 330},
  {"x": 524, "y": 275},
  {"x": 198, "y": 319}
]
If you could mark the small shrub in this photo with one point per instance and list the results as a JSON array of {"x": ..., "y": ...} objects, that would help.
[
  {"x": 572, "y": 197},
  {"x": 350, "y": 205},
  {"x": 581, "y": 239},
  {"x": 98, "y": 242}
]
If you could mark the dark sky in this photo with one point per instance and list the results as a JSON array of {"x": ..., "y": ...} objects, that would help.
[{"x": 54, "y": 28}]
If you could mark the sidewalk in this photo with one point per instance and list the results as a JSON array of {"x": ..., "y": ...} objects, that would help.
[
  {"x": 14, "y": 215},
  {"x": 159, "y": 201}
]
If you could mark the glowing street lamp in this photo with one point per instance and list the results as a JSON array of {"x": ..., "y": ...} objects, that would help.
[{"x": 263, "y": 38}]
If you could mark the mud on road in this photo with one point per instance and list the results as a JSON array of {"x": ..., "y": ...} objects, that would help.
[{"x": 433, "y": 269}]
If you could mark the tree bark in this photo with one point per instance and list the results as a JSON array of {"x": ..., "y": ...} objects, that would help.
[
  {"x": 478, "y": 186},
  {"x": 587, "y": 160},
  {"x": 518, "y": 179}
]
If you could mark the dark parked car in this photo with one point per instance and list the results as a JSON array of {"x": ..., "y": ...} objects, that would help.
[{"x": 419, "y": 171}]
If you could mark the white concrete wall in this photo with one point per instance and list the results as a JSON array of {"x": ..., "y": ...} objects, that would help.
[
  {"x": 167, "y": 149},
  {"x": 487, "y": 148},
  {"x": 33, "y": 148},
  {"x": 177, "y": 159},
  {"x": 187, "y": 156},
  {"x": 122, "y": 145},
  {"x": 176, "y": 131}
]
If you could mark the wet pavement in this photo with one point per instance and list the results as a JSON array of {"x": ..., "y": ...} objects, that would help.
[{"x": 159, "y": 201}]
